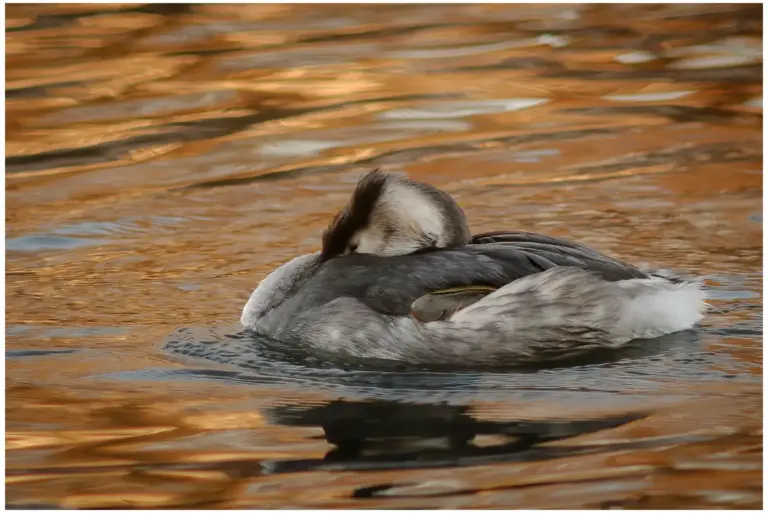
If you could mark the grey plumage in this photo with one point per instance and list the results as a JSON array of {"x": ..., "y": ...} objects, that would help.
[
  {"x": 552, "y": 303},
  {"x": 398, "y": 240},
  {"x": 391, "y": 284}
]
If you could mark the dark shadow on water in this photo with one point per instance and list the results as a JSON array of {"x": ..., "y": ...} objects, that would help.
[
  {"x": 374, "y": 435},
  {"x": 27, "y": 353}
]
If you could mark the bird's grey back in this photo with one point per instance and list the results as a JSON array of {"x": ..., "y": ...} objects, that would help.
[{"x": 390, "y": 284}]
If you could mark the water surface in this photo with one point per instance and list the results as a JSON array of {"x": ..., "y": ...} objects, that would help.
[{"x": 161, "y": 159}]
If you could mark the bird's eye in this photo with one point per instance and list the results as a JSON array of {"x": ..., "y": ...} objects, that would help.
[{"x": 353, "y": 248}]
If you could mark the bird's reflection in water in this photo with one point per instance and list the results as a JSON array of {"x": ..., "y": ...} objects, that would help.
[{"x": 370, "y": 435}]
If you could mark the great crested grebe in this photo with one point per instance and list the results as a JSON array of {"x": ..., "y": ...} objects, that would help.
[{"x": 502, "y": 297}]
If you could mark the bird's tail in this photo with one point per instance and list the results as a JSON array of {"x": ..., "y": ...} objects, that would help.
[{"x": 560, "y": 313}]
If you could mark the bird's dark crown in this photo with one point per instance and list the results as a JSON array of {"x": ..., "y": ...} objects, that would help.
[{"x": 355, "y": 215}]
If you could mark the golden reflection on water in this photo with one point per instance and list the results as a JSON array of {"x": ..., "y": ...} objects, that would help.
[{"x": 160, "y": 159}]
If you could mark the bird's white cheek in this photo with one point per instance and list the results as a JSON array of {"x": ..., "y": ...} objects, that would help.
[
  {"x": 368, "y": 242},
  {"x": 396, "y": 247}
]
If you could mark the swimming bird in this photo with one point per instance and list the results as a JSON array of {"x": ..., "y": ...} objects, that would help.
[{"x": 398, "y": 242}]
